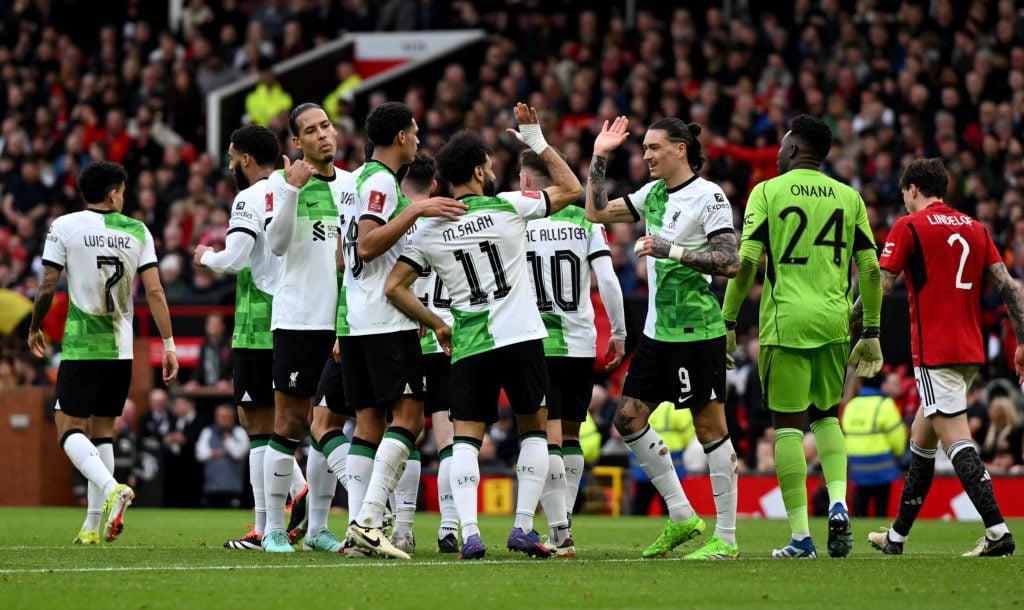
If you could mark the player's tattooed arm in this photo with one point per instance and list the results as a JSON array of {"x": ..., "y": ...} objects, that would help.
[
  {"x": 44, "y": 296},
  {"x": 721, "y": 258},
  {"x": 599, "y": 209},
  {"x": 599, "y": 191},
  {"x": 998, "y": 276}
]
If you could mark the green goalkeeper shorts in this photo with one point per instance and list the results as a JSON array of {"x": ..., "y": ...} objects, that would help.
[{"x": 793, "y": 379}]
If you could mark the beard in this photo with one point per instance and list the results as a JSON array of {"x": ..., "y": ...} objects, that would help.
[
  {"x": 241, "y": 182},
  {"x": 489, "y": 190}
]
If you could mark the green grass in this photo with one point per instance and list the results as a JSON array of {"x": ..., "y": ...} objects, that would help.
[{"x": 174, "y": 559}]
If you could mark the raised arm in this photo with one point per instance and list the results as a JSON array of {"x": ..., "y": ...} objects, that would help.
[
  {"x": 566, "y": 188},
  {"x": 285, "y": 192},
  {"x": 599, "y": 209},
  {"x": 376, "y": 237}
]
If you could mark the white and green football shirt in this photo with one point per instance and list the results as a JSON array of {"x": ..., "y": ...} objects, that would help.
[
  {"x": 306, "y": 292},
  {"x": 363, "y": 309},
  {"x": 680, "y": 305},
  {"x": 434, "y": 296},
  {"x": 254, "y": 285},
  {"x": 559, "y": 250},
  {"x": 102, "y": 253},
  {"x": 481, "y": 258}
]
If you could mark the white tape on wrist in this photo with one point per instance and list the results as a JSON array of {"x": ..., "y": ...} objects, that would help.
[
  {"x": 533, "y": 137},
  {"x": 169, "y": 345},
  {"x": 676, "y": 253}
]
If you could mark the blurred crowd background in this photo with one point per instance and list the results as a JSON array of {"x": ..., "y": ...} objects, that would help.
[{"x": 894, "y": 80}]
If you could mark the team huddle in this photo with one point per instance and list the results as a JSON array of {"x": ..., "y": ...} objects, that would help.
[{"x": 362, "y": 296}]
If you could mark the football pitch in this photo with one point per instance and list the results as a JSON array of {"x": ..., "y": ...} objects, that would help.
[{"x": 174, "y": 559}]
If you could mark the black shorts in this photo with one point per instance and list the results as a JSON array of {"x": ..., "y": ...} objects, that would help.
[
  {"x": 330, "y": 392},
  {"x": 93, "y": 387},
  {"x": 518, "y": 368},
  {"x": 380, "y": 369},
  {"x": 252, "y": 373},
  {"x": 299, "y": 359},
  {"x": 571, "y": 386},
  {"x": 685, "y": 374},
  {"x": 438, "y": 370}
]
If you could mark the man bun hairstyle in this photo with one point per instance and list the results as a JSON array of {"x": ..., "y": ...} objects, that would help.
[{"x": 677, "y": 131}]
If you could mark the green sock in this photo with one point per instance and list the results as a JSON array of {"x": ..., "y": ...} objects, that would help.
[
  {"x": 791, "y": 470},
  {"x": 832, "y": 453}
]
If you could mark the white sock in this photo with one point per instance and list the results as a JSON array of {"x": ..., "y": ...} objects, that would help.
[
  {"x": 406, "y": 492},
  {"x": 724, "y": 471},
  {"x": 445, "y": 499},
  {"x": 95, "y": 494},
  {"x": 337, "y": 460},
  {"x": 464, "y": 477},
  {"x": 276, "y": 481},
  {"x": 552, "y": 498},
  {"x": 322, "y": 486},
  {"x": 256, "y": 456},
  {"x": 656, "y": 461},
  {"x": 360, "y": 469},
  {"x": 388, "y": 465},
  {"x": 298, "y": 482},
  {"x": 86, "y": 458},
  {"x": 573, "y": 474},
  {"x": 531, "y": 473}
]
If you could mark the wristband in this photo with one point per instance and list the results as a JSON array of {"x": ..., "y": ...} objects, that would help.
[
  {"x": 730, "y": 324},
  {"x": 169, "y": 345},
  {"x": 871, "y": 332},
  {"x": 533, "y": 137},
  {"x": 676, "y": 253}
]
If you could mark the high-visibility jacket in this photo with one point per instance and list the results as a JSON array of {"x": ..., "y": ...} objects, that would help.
[
  {"x": 264, "y": 102},
  {"x": 875, "y": 437},
  {"x": 675, "y": 427},
  {"x": 590, "y": 440}
]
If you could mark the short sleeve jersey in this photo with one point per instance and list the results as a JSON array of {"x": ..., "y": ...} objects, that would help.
[
  {"x": 434, "y": 296},
  {"x": 811, "y": 225},
  {"x": 680, "y": 305},
  {"x": 102, "y": 253},
  {"x": 943, "y": 255},
  {"x": 254, "y": 285},
  {"x": 481, "y": 258},
  {"x": 559, "y": 250},
  {"x": 363, "y": 308},
  {"x": 306, "y": 294}
]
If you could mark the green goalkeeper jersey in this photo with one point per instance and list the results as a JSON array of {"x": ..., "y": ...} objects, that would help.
[{"x": 811, "y": 226}]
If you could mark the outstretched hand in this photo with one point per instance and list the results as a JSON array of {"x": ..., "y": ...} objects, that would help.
[
  {"x": 525, "y": 115},
  {"x": 611, "y": 136}
]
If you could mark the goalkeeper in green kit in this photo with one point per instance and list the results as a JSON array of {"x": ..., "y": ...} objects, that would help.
[{"x": 810, "y": 227}]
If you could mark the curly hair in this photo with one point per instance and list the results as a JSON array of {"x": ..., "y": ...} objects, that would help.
[
  {"x": 812, "y": 133},
  {"x": 99, "y": 178},
  {"x": 463, "y": 153},
  {"x": 258, "y": 142},
  {"x": 386, "y": 120}
]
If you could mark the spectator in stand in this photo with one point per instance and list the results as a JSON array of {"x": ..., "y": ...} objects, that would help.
[
  {"x": 213, "y": 371},
  {"x": 183, "y": 476},
  {"x": 267, "y": 100},
  {"x": 222, "y": 448},
  {"x": 1003, "y": 431},
  {"x": 28, "y": 196}
]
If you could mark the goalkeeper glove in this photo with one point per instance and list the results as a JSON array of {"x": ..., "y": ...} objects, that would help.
[
  {"x": 730, "y": 344},
  {"x": 867, "y": 354}
]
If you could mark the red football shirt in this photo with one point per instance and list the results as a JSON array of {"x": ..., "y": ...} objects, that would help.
[{"x": 943, "y": 254}]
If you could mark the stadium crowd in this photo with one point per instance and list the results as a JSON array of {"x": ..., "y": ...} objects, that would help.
[{"x": 894, "y": 80}]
